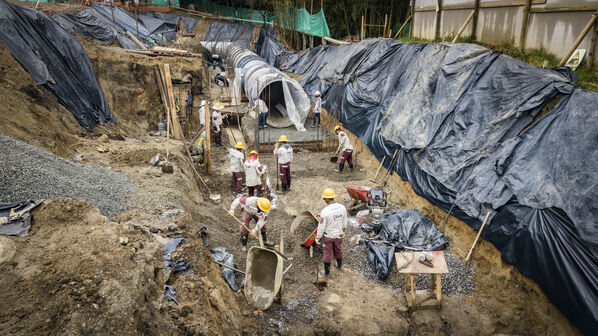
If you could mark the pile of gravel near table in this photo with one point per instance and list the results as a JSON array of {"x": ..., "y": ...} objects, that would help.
[{"x": 27, "y": 172}]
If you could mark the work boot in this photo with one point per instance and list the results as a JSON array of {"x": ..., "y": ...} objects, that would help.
[
  {"x": 244, "y": 243},
  {"x": 326, "y": 271},
  {"x": 351, "y": 168},
  {"x": 339, "y": 263},
  {"x": 284, "y": 188},
  {"x": 340, "y": 168},
  {"x": 289, "y": 185}
]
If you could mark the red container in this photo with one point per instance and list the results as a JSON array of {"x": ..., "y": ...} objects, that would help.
[{"x": 358, "y": 192}]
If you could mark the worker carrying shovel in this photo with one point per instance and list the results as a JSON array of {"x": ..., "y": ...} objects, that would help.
[
  {"x": 253, "y": 174},
  {"x": 237, "y": 158},
  {"x": 254, "y": 208},
  {"x": 284, "y": 152},
  {"x": 345, "y": 148},
  {"x": 333, "y": 222}
]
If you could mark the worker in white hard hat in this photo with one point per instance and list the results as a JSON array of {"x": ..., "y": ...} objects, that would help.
[
  {"x": 254, "y": 208},
  {"x": 202, "y": 113},
  {"x": 253, "y": 174},
  {"x": 217, "y": 123},
  {"x": 284, "y": 152},
  {"x": 262, "y": 110},
  {"x": 333, "y": 222},
  {"x": 345, "y": 148},
  {"x": 317, "y": 109},
  {"x": 237, "y": 158}
]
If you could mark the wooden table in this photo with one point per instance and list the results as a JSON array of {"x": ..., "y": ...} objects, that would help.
[{"x": 414, "y": 268}]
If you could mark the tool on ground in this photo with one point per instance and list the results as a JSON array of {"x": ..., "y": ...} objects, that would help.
[
  {"x": 204, "y": 235},
  {"x": 287, "y": 269},
  {"x": 468, "y": 258},
  {"x": 334, "y": 159},
  {"x": 252, "y": 233},
  {"x": 229, "y": 267},
  {"x": 358, "y": 240},
  {"x": 277, "y": 174},
  {"x": 18, "y": 214},
  {"x": 213, "y": 197},
  {"x": 320, "y": 283},
  {"x": 391, "y": 169},
  {"x": 377, "y": 171}
]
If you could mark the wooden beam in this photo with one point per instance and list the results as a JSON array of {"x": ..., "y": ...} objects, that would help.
[
  {"x": 464, "y": 25},
  {"x": 476, "y": 15},
  {"x": 331, "y": 40},
  {"x": 208, "y": 142},
  {"x": 403, "y": 26},
  {"x": 412, "y": 19},
  {"x": 523, "y": 33},
  {"x": 361, "y": 31},
  {"x": 592, "y": 51},
  {"x": 579, "y": 38},
  {"x": 564, "y": 9},
  {"x": 438, "y": 20},
  {"x": 136, "y": 41},
  {"x": 176, "y": 126},
  {"x": 497, "y": 4}
]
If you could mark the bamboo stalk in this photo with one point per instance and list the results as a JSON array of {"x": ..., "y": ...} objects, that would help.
[{"x": 463, "y": 26}]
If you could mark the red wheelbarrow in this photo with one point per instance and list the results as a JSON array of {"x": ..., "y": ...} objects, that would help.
[
  {"x": 309, "y": 241},
  {"x": 359, "y": 197}
]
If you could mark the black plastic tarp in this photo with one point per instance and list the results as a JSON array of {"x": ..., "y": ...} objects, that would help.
[
  {"x": 91, "y": 24},
  {"x": 124, "y": 19},
  {"x": 13, "y": 225},
  {"x": 459, "y": 116},
  {"x": 220, "y": 255},
  {"x": 230, "y": 32},
  {"x": 400, "y": 229},
  {"x": 56, "y": 60}
]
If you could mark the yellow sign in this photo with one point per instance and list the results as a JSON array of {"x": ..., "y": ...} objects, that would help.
[{"x": 576, "y": 58}]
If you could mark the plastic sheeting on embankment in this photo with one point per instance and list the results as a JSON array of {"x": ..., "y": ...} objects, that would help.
[
  {"x": 93, "y": 25},
  {"x": 56, "y": 60},
  {"x": 400, "y": 229},
  {"x": 460, "y": 117},
  {"x": 230, "y": 32},
  {"x": 16, "y": 225},
  {"x": 287, "y": 102}
]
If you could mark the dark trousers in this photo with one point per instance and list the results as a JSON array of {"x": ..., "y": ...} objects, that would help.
[
  {"x": 238, "y": 181},
  {"x": 263, "y": 120},
  {"x": 217, "y": 133},
  {"x": 346, "y": 156},
  {"x": 285, "y": 173},
  {"x": 259, "y": 188},
  {"x": 332, "y": 247},
  {"x": 316, "y": 116},
  {"x": 246, "y": 218}
]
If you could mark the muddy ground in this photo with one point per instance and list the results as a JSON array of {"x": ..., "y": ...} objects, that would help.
[{"x": 79, "y": 272}]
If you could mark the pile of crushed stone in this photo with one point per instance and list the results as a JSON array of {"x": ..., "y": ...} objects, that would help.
[{"x": 27, "y": 172}]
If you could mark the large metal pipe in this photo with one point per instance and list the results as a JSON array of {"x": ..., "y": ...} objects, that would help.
[{"x": 287, "y": 101}]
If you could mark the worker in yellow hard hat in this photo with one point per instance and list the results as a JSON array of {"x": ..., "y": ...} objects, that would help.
[
  {"x": 284, "y": 155},
  {"x": 333, "y": 222},
  {"x": 217, "y": 123},
  {"x": 253, "y": 173},
  {"x": 254, "y": 208},
  {"x": 345, "y": 148},
  {"x": 237, "y": 158}
]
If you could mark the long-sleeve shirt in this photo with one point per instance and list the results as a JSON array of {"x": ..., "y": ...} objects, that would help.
[
  {"x": 236, "y": 160},
  {"x": 260, "y": 106},
  {"x": 253, "y": 172},
  {"x": 216, "y": 118},
  {"x": 343, "y": 142},
  {"x": 334, "y": 221},
  {"x": 284, "y": 154},
  {"x": 202, "y": 115},
  {"x": 249, "y": 204},
  {"x": 318, "y": 106}
]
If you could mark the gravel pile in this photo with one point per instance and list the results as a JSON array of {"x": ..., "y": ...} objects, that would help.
[{"x": 27, "y": 172}]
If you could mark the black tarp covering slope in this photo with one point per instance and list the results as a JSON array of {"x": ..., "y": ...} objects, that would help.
[
  {"x": 124, "y": 19},
  {"x": 448, "y": 108},
  {"x": 93, "y": 25},
  {"x": 230, "y": 32},
  {"x": 56, "y": 60},
  {"x": 399, "y": 229}
]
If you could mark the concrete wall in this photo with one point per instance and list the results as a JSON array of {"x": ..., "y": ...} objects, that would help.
[{"x": 553, "y": 31}]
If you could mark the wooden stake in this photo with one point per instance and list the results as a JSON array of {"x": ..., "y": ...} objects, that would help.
[
  {"x": 385, "y": 22},
  {"x": 592, "y": 51},
  {"x": 523, "y": 33},
  {"x": 362, "y": 33},
  {"x": 579, "y": 38},
  {"x": 463, "y": 26},
  {"x": 438, "y": 20},
  {"x": 477, "y": 237},
  {"x": 412, "y": 19},
  {"x": 208, "y": 142},
  {"x": 403, "y": 26},
  {"x": 474, "y": 24},
  {"x": 176, "y": 126},
  {"x": 379, "y": 167}
]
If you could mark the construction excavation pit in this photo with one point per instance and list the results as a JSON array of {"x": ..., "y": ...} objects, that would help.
[{"x": 132, "y": 202}]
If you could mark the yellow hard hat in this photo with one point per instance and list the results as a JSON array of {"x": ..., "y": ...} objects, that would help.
[
  {"x": 264, "y": 204},
  {"x": 328, "y": 193},
  {"x": 254, "y": 152},
  {"x": 338, "y": 127},
  {"x": 283, "y": 138},
  {"x": 217, "y": 106},
  {"x": 239, "y": 145}
]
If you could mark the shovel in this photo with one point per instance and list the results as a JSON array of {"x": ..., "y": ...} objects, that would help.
[
  {"x": 334, "y": 159},
  {"x": 320, "y": 283},
  {"x": 213, "y": 197}
]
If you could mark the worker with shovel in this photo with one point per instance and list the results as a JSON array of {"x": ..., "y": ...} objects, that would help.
[
  {"x": 317, "y": 110},
  {"x": 254, "y": 208},
  {"x": 333, "y": 222},
  {"x": 237, "y": 159},
  {"x": 253, "y": 174},
  {"x": 284, "y": 152},
  {"x": 217, "y": 123},
  {"x": 345, "y": 148}
]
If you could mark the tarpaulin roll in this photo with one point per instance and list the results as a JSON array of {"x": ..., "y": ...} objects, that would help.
[{"x": 56, "y": 60}]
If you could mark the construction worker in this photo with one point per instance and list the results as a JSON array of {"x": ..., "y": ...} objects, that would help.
[
  {"x": 217, "y": 123},
  {"x": 345, "y": 148},
  {"x": 255, "y": 208},
  {"x": 221, "y": 79},
  {"x": 262, "y": 110},
  {"x": 333, "y": 222},
  {"x": 317, "y": 109},
  {"x": 253, "y": 173},
  {"x": 237, "y": 158},
  {"x": 202, "y": 113},
  {"x": 284, "y": 152}
]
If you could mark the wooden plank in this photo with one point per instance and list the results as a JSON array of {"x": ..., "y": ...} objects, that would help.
[
  {"x": 477, "y": 237},
  {"x": 438, "y": 290},
  {"x": 415, "y": 267},
  {"x": 208, "y": 141},
  {"x": 176, "y": 126},
  {"x": 564, "y": 9},
  {"x": 523, "y": 33}
]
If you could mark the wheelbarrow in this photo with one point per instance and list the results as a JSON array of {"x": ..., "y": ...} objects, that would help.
[
  {"x": 359, "y": 197},
  {"x": 309, "y": 241},
  {"x": 263, "y": 277}
]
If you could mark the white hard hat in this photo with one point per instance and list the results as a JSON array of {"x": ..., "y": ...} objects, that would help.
[
  {"x": 203, "y": 102},
  {"x": 223, "y": 73},
  {"x": 317, "y": 93}
]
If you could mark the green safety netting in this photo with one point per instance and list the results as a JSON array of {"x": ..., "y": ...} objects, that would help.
[
  {"x": 239, "y": 14},
  {"x": 311, "y": 24},
  {"x": 157, "y": 3}
]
